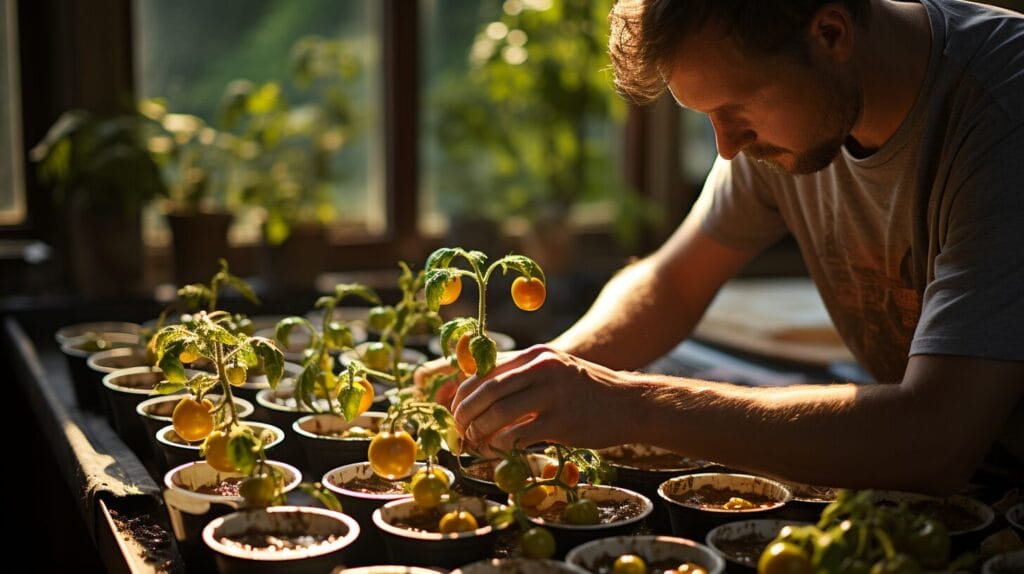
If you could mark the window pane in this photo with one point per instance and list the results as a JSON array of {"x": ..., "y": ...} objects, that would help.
[
  {"x": 311, "y": 102},
  {"x": 520, "y": 119},
  {"x": 12, "y": 182}
]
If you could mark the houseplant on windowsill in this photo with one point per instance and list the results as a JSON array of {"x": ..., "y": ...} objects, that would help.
[
  {"x": 523, "y": 129},
  {"x": 206, "y": 173},
  {"x": 102, "y": 173},
  {"x": 298, "y": 145}
]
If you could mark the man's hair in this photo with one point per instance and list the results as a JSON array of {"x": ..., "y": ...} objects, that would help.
[{"x": 646, "y": 34}]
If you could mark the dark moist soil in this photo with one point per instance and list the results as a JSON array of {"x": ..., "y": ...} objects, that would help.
[
  {"x": 227, "y": 487},
  {"x": 480, "y": 471},
  {"x": 608, "y": 511},
  {"x": 374, "y": 485},
  {"x": 746, "y": 549},
  {"x": 665, "y": 461},
  {"x": 814, "y": 493},
  {"x": 708, "y": 497},
  {"x": 421, "y": 521},
  {"x": 265, "y": 543},
  {"x": 154, "y": 538},
  {"x": 606, "y": 565},
  {"x": 955, "y": 518}
]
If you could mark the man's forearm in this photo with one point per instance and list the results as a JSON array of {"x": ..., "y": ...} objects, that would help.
[
  {"x": 634, "y": 320},
  {"x": 836, "y": 435}
]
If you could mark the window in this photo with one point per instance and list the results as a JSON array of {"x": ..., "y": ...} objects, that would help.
[
  {"x": 520, "y": 124},
  {"x": 12, "y": 177},
  {"x": 308, "y": 146}
]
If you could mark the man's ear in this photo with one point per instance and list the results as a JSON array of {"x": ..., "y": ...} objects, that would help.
[{"x": 831, "y": 33}]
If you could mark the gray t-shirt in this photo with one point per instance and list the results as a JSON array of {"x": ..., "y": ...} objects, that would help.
[{"x": 918, "y": 248}]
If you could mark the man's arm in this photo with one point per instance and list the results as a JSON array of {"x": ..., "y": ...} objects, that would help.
[
  {"x": 654, "y": 303},
  {"x": 926, "y": 434}
]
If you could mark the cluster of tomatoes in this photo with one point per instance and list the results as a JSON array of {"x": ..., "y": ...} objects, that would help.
[{"x": 633, "y": 564}]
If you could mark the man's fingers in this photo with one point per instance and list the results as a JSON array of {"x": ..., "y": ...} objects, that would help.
[
  {"x": 470, "y": 385},
  {"x": 510, "y": 409},
  {"x": 487, "y": 393}
]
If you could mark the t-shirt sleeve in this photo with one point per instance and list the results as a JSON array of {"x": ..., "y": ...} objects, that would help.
[
  {"x": 737, "y": 208},
  {"x": 974, "y": 304}
]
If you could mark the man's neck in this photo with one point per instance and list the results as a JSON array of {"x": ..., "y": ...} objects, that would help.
[{"x": 892, "y": 63}]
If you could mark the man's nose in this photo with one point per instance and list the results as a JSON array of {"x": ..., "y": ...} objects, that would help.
[{"x": 731, "y": 142}]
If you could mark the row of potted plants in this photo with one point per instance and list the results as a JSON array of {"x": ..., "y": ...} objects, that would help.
[{"x": 420, "y": 512}]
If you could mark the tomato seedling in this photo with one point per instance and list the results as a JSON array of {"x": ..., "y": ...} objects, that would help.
[{"x": 475, "y": 352}]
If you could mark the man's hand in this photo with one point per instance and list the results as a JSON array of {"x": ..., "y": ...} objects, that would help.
[
  {"x": 441, "y": 366},
  {"x": 542, "y": 394}
]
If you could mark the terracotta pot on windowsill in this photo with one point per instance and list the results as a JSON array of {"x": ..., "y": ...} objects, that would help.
[{"x": 200, "y": 239}]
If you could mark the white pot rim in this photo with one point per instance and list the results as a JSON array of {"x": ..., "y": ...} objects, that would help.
[
  {"x": 753, "y": 477},
  {"x": 321, "y": 550},
  {"x": 169, "y": 481},
  {"x": 123, "y": 340},
  {"x": 648, "y": 508},
  {"x": 242, "y": 405},
  {"x": 369, "y": 495},
  {"x": 297, "y": 426},
  {"x": 110, "y": 378},
  {"x": 94, "y": 358},
  {"x": 278, "y": 434},
  {"x": 714, "y": 533},
  {"x": 713, "y": 556},
  {"x": 378, "y": 519},
  {"x": 64, "y": 333}
]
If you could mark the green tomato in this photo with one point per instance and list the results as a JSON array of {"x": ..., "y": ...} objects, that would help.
[
  {"x": 378, "y": 356},
  {"x": 236, "y": 374},
  {"x": 337, "y": 336},
  {"x": 629, "y": 564},
  {"x": 381, "y": 317},
  {"x": 784, "y": 558},
  {"x": 258, "y": 490},
  {"x": 511, "y": 475},
  {"x": 429, "y": 490},
  {"x": 582, "y": 511},
  {"x": 537, "y": 543},
  {"x": 928, "y": 542}
]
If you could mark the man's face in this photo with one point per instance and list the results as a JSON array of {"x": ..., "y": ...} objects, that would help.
[{"x": 793, "y": 115}]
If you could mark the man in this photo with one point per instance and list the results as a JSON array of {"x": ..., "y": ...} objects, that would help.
[{"x": 888, "y": 138}]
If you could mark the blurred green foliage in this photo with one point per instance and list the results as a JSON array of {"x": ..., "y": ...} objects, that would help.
[{"x": 526, "y": 130}]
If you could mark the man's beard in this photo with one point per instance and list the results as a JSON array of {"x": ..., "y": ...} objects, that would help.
[{"x": 843, "y": 109}]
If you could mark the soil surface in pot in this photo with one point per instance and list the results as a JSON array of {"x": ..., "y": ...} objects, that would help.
[
  {"x": 480, "y": 471},
  {"x": 606, "y": 565},
  {"x": 745, "y": 549},
  {"x": 426, "y": 520},
  {"x": 625, "y": 456},
  {"x": 609, "y": 511},
  {"x": 810, "y": 493},
  {"x": 226, "y": 487},
  {"x": 955, "y": 518},
  {"x": 274, "y": 542},
  {"x": 711, "y": 498},
  {"x": 374, "y": 485}
]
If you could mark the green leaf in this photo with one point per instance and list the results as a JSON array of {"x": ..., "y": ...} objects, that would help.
[
  {"x": 273, "y": 359},
  {"x": 167, "y": 388},
  {"x": 343, "y": 290},
  {"x": 247, "y": 356},
  {"x": 306, "y": 385},
  {"x": 501, "y": 516},
  {"x": 322, "y": 495},
  {"x": 524, "y": 265},
  {"x": 478, "y": 258},
  {"x": 437, "y": 279},
  {"x": 453, "y": 440},
  {"x": 242, "y": 287},
  {"x": 170, "y": 364},
  {"x": 441, "y": 258},
  {"x": 429, "y": 441},
  {"x": 171, "y": 335},
  {"x": 210, "y": 331},
  {"x": 195, "y": 295},
  {"x": 324, "y": 301},
  {"x": 485, "y": 352},
  {"x": 285, "y": 326},
  {"x": 455, "y": 329},
  {"x": 349, "y": 397},
  {"x": 243, "y": 449}
]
